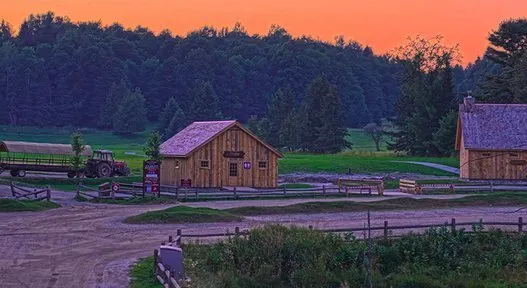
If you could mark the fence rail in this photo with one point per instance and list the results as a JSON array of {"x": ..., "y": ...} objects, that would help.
[
  {"x": 385, "y": 228},
  {"x": 27, "y": 193}
]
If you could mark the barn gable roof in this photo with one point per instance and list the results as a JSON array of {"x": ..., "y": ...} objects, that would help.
[
  {"x": 493, "y": 127},
  {"x": 198, "y": 134}
]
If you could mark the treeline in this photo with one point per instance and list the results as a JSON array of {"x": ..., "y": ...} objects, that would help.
[
  {"x": 432, "y": 87},
  {"x": 56, "y": 72}
]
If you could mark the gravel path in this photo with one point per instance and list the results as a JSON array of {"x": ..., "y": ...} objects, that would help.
[
  {"x": 434, "y": 165},
  {"x": 87, "y": 245}
]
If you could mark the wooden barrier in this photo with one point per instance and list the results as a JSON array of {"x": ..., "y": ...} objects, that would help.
[
  {"x": 361, "y": 184},
  {"x": 409, "y": 186},
  {"x": 36, "y": 194},
  {"x": 386, "y": 229}
]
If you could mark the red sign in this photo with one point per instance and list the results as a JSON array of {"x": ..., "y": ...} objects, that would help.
[
  {"x": 151, "y": 176},
  {"x": 116, "y": 187},
  {"x": 186, "y": 183}
]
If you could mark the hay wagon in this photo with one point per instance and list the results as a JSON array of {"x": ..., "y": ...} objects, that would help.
[{"x": 20, "y": 157}]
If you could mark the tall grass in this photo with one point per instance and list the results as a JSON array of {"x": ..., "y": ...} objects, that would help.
[{"x": 276, "y": 256}]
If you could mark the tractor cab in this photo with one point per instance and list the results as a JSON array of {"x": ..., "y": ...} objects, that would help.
[{"x": 103, "y": 155}]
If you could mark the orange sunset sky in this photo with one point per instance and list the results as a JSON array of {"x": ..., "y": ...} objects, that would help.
[{"x": 381, "y": 24}]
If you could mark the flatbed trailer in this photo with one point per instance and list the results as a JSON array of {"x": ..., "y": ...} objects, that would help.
[{"x": 20, "y": 157}]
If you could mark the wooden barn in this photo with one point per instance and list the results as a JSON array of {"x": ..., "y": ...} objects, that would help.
[
  {"x": 218, "y": 154},
  {"x": 492, "y": 141}
]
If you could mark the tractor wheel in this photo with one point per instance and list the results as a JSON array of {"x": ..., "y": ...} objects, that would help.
[
  {"x": 14, "y": 173},
  {"x": 71, "y": 174},
  {"x": 104, "y": 170},
  {"x": 21, "y": 173},
  {"x": 125, "y": 172}
]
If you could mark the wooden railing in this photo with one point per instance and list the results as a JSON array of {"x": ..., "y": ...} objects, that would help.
[
  {"x": 36, "y": 194},
  {"x": 386, "y": 228}
]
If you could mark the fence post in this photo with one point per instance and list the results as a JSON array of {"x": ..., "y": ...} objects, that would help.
[
  {"x": 78, "y": 188},
  {"x": 385, "y": 229},
  {"x": 237, "y": 230},
  {"x": 12, "y": 187},
  {"x": 170, "y": 239},
  {"x": 154, "y": 268},
  {"x": 285, "y": 191},
  {"x": 324, "y": 190},
  {"x": 48, "y": 193},
  {"x": 178, "y": 239},
  {"x": 235, "y": 194},
  {"x": 453, "y": 225},
  {"x": 520, "y": 224},
  {"x": 347, "y": 193},
  {"x": 177, "y": 191},
  {"x": 197, "y": 196},
  {"x": 310, "y": 227}
]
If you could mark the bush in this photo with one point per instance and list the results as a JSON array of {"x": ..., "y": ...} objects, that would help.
[{"x": 276, "y": 256}]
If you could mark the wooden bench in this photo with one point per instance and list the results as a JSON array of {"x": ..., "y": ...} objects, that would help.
[{"x": 361, "y": 184}]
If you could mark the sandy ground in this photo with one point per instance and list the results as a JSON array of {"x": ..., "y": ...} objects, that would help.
[{"x": 87, "y": 245}]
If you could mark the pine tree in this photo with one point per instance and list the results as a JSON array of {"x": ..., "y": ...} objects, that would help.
[
  {"x": 115, "y": 95},
  {"x": 168, "y": 113},
  {"x": 131, "y": 114},
  {"x": 312, "y": 118},
  {"x": 205, "y": 105},
  {"x": 177, "y": 123},
  {"x": 281, "y": 106},
  {"x": 333, "y": 130},
  {"x": 290, "y": 131}
]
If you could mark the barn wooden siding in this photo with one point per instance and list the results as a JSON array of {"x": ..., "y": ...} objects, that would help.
[
  {"x": 493, "y": 164},
  {"x": 217, "y": 175}
]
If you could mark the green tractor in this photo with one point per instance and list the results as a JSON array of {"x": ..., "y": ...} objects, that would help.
[{"x": 102, "y": 165}]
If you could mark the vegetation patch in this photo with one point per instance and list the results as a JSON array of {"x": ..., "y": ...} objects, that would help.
[
  {"x": 12, "y": 205},
  {"x": 296, "y": 186},
  {"x": 276, "y": 256},
  {"x": 141, "y": 275},
  {"x": 183, "y": 214},
  {"x": 65, "y": 184},
  {"x": 496, "y": 199}
]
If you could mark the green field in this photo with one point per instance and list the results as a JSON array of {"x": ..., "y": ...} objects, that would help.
[
  {"x": 11, "y": 205},
  {"x": 362, "y": 159},
  {"x": 363, "y": 142}
]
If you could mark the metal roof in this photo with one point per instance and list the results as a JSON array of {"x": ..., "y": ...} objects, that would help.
[{"x": 40, "y": 148}]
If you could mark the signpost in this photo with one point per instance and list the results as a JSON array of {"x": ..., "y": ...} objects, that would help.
[{"x": 151, "y": 177}]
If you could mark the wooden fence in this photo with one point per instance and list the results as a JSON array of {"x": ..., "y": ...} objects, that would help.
[
  {"x": 36, "y": 194},
  {"x": 419, "y": 186},
  {"x": 127, "y": 190},
  {"x": 386, "y": 229}
]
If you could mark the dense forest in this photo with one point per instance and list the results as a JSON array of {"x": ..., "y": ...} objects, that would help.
[
  {"x": 55, "y": 72},
  {"x": 297, "y": 93}
]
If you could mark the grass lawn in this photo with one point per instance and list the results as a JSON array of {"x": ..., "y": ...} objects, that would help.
[
  {"x": 183, "y": 214},
  {"x": 141, "y": 274},
  {"x": 496, "y": 199},
  {"x": 11, "y": 205},
  {"x": 296, "y": 186},
  {"x": 362, "y": 158},
  {"x": 342, "y": 162},
  {"x": 363, "y": 142}
]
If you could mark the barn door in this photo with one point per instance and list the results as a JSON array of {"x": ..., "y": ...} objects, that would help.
[{"x": 233, "y": 173}]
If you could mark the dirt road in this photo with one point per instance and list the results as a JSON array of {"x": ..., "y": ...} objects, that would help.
[{"x": 86, "y": 245}]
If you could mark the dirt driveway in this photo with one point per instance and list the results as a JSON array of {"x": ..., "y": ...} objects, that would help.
[{"x": 86, "y": 245}]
